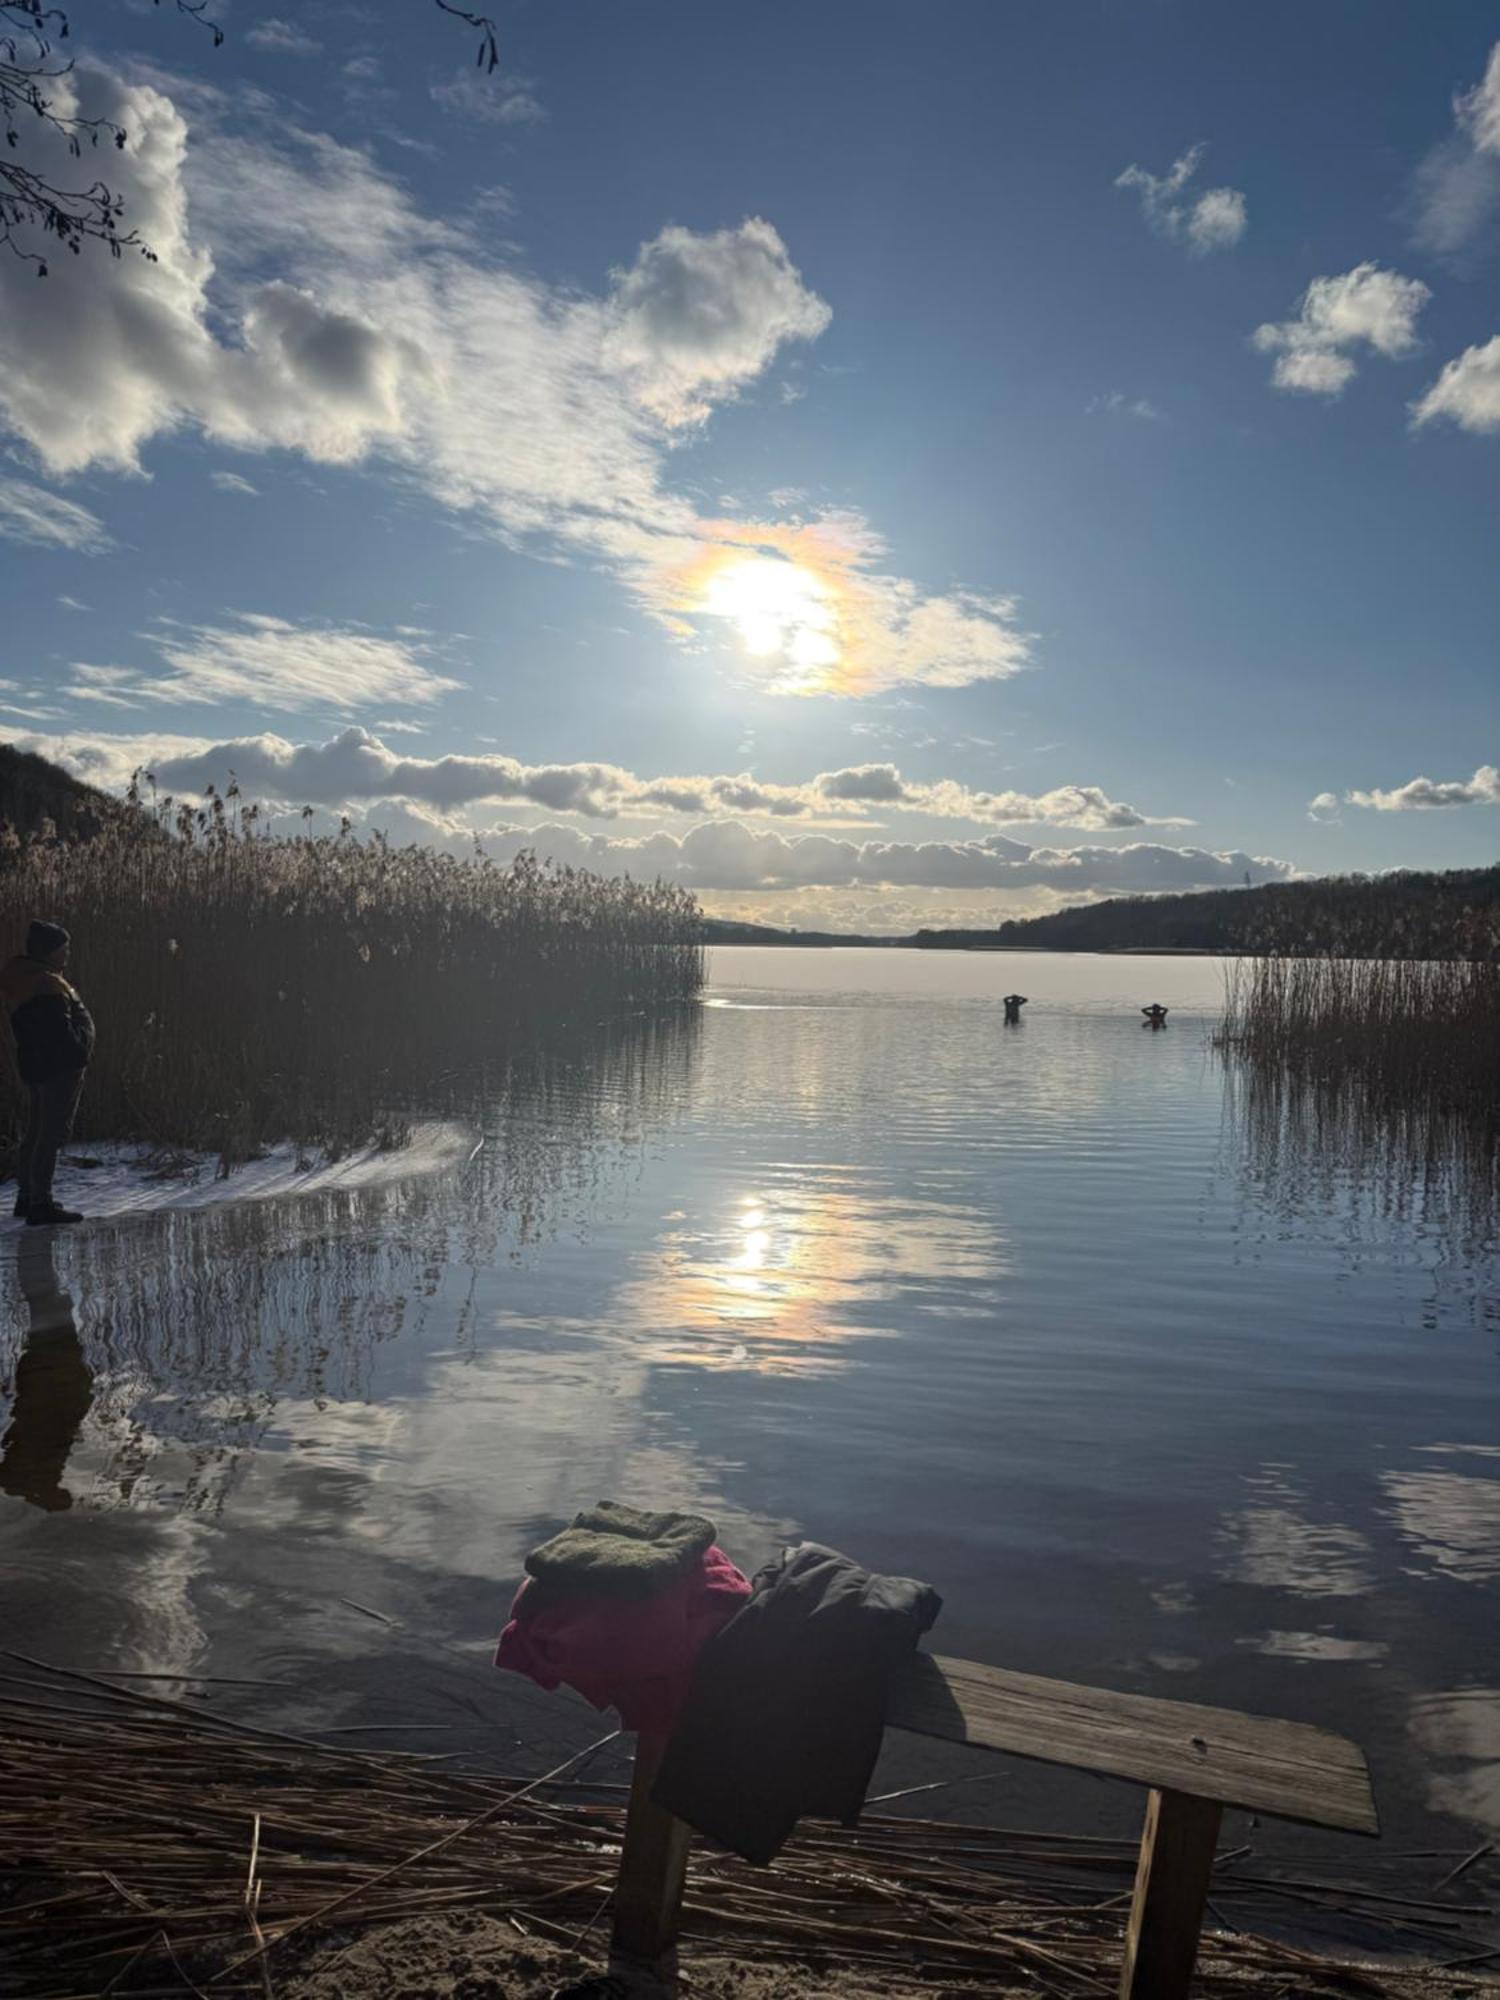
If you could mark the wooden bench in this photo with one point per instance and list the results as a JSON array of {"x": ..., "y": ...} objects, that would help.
[{"x": 1193, "y": 1761}]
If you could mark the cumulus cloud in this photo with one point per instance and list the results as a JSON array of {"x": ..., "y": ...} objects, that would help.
[
  {"x": 1467, "y": 392},
  {"x": 1433, "y": 795},
  {"x": 271, "y": 663},
  {"x": 31, "y": 514},
  {"x": 1324, "y": 809},
  {"x": 1457, "y": 190},
  {"x": 1365, "y": 307},
  {"x": 356, "y": 766},
  {"x": 727, "y": 855},
  {"x": 1204, "y": 220},
  {"x": 301, "y": 301},
  {"x": 696, "y": 318}
]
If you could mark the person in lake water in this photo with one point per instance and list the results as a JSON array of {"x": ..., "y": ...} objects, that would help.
[
  {"x": 1156, "y": 1016},
  {"x": 54, "y": 1038},
  {"x": 1013, "y": 1003}
]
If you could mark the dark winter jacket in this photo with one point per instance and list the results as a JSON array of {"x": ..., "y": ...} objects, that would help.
[
  {"x": 54, "y": 1031},
  {"x": 787, "y": 1707}
]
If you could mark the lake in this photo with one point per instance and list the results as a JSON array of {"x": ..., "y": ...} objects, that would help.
[{"x": 1160, "y": 1393}]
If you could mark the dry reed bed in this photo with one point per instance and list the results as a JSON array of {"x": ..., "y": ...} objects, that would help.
[
  {"x": 1405, "y": 1032},
  {"x": 150, "y": 1846},
  {"x": 250, "y": 989}
]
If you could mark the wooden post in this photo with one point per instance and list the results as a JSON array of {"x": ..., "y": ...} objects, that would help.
[
  {"x": 653, "y": 1869},
  {"x": 1171, "y": 1890}
]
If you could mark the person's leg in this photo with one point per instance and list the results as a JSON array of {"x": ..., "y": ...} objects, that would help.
[
  {"x": 26, "y": 1155},
  {"x": 59, "y": 1102}
]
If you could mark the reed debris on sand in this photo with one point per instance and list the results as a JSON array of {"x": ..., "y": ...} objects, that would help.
[{"x": 151, "y": 1847}]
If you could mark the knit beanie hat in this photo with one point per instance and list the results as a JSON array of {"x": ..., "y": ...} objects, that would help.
[{"x": 42, "y": 939}]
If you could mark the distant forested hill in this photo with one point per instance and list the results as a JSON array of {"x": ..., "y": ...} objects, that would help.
[
  {"x": 1405, "y": 915},
  {"x": 34, "y": 791}
]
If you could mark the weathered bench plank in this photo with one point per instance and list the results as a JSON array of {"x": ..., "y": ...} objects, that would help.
[{"x": 1286, "y": 1769}]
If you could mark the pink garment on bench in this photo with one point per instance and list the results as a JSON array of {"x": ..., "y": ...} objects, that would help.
[{"x": 634, "y": 1654}]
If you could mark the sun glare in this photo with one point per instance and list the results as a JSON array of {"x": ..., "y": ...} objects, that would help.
[{"x": 780, "y": 611}]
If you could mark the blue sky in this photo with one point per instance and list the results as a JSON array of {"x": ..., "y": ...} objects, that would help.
[{"x": 877, "y": 463}]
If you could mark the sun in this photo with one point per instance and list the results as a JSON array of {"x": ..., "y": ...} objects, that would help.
[{"x": 780, "y": 610}]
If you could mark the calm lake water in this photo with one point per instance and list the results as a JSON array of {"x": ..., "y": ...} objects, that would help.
[{"x": 1158, "y": 1397}]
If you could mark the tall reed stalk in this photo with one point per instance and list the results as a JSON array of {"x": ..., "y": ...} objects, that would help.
[{"x": 249, "y": 989}]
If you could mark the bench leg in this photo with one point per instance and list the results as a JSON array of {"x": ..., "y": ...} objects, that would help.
[
  {"x": 653, "y": 1870},
  {"x": 1171, "y": 1890}
]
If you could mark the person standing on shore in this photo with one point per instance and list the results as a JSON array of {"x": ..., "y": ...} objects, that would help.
[{"x": 54, "y": 1038}]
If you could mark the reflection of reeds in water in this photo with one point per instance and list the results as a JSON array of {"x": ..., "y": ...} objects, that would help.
[
  {"x": 251, "y": 989},
  {"x": 1312, "y": 1147},
  {"x": 1374, "y": 1079},
  {"x": 197, "y": 1329}
]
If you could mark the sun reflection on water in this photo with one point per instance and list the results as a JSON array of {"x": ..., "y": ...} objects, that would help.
[{"x": 791, "y": 1275}]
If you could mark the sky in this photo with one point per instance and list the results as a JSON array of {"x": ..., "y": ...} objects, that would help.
[{"x": 877, "y": 464}]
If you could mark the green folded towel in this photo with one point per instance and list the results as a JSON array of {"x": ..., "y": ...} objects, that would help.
[{"x": 617, "y": 1551}]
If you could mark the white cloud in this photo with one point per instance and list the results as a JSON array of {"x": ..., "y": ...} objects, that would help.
[
  {"x": 726, "y": 855},
  {"x": 1206, "y": 220},
  {"x": 1457, "y": 190},
  {"x": 473, "y": 94},
  {"x": 1324, "y": 809},
  {"x": 1478, "y": 110},
  {"x": 282, "y": 38},
  {"x": 231, "y": 482},
  {"x": 31, "y": 514},
  {"x": 1118, "y": 404},
  {"x": 1363, "y": 307},
  {"x": 302, "y": 302},
  {"x": 696, "y": 318},
  {"x": 1468, "y": 391},
  {"x": 270, "y": 663},
  {"x": 1433, "y": 795},
  {"x": 356, "y": 766},
  {"x": 1217, "y": 220}
]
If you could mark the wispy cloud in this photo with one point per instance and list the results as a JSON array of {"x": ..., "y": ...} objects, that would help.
[
  {"x": 231, "y": 482},
  {"x": 270, "y": 663},
  {"x": 1456, "y": 197},
  {"x": 1365, "y": 307},
  {"x": 1118, "y": 404},
  {"x": 1203, "y": 220},
  {"x": 31, "y": 514},
  {"x": 491, "y": 99},
  {"x": 277, "y": 37},
  {"x": 356, "y": 328}
]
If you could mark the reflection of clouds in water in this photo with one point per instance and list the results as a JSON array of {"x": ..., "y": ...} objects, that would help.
[
  {"x": 790, "y": 1274},
  {"x": 1451, "y": 1518},
  {"x": 1275, "y": 1543},
  {"x": 197, "y": 1333},
  {"x": 499, "y": 1449},
  {"x": 1324, "y": 1644},
  {"x": 1461, "y": 1729}
]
